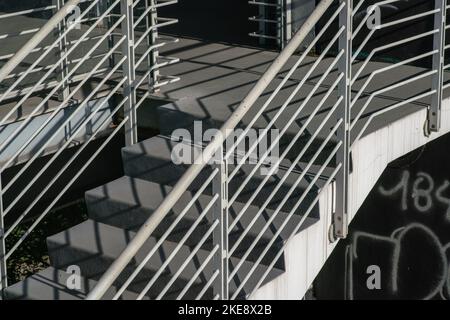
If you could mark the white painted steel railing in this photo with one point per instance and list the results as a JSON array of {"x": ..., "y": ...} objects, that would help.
[
  {"x": 340, "y": 76},
  {"x": 110, "y": 46},
  {"x": 321, "y": 104}
]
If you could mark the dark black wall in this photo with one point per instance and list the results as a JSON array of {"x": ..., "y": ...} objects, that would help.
[
  {"x": 389, "y": 13},
  {"x": 212, "y": 20},
  {"x": 404, "y": 228}
]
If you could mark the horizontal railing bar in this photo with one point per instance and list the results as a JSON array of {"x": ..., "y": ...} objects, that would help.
[
  {"x": 280, "y": 206},
  {"x": 50, "y": 94},
  {"x": 166, "y": 234},
  {"x": 192, "y": 172},
  {"x": 198, "y": 272},
  {"x": 135, "y": 3},
  {"x": 293, "y": 140},
  {"x": 47, "y": 86},
  {"x": 403, "y": 41},
  {"x": 66, "y": 165},
  {"x": 188, "y": 259},
  {"x": 384, "y": 110},
  {"x": 170, "y": 60},
  {"x": 69, "y": 43},
  {"x": 264, "y": 4},
  {"x": 411, "y": 18},
  {"x": 291, "y": 168},
  {"x": 367, "y": 16},
  {"x": 167, "y": 80},
  {"x": 180, "y": 244},
  {"x": 167, "y": 22},
  {"x": 207, "y": 285},
  {"x": 60, "y": 61},
  {"x": 53, "y": 91},
  {"x": 18, "y": 34},
  {"x": 150, "y": 49},
  {"x": 286, "y": 78},
  {"x": 152, "y": 7},
  {"x": 292, "y": 212},
  {"x": 357, "y": 7},
  {"x": 294, "y": 232},
  {"x": 388, "y": 46},
  {"x": 385, "y": 89},
  {"x": 262, "y": 19},
  {"x": 36, "y": 39},
  {"x": 48, "y": 140},
  {"x": 260, "y": 35},
  {"x": 23, "y": 12},
  {"x": 66, "y": 187},
  {"x": 387, "y": 68},
  {"x": 60, "y": 150},
  {"x": 284, "y": 106}
]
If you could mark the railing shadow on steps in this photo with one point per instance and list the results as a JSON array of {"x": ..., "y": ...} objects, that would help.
[
  {"x": 88, "y": 54},
  {"x": 219, "y": 162}
]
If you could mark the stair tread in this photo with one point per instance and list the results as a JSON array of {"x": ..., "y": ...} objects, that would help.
[
  {"x": 52, "y": 284},
  {"x": 94, "y": 246},
  {"x": 135, "y": 193},
  {"x": 152, "y": 160}
]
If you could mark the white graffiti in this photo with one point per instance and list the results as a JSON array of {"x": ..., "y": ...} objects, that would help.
[
  {"x": 439, "y": 287},
  {"x": 423, "y": 191}
]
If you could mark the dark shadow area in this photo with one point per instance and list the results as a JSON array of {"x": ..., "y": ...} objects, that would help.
[
  {"x": 212, "y": 20},
  {"x": 398, "y": 246}
]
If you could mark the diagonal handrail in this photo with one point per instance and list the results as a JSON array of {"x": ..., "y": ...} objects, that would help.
[
  {"x": 194, "y": 170},
  {"x": 37, "y": 38}
]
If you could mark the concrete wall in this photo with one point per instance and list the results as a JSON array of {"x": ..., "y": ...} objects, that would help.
[{"x": 403, "y": 229}]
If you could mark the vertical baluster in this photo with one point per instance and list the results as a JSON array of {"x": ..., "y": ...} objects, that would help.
[
  {"x": 3, "y": 268},
  {"x": 287, "y": 24},
  {"x": 281, "y": 17},
  {"x": 220, "y": 235},
  {"x": 152, "y": 38},
  {"x": 129, "y": 91},
  {"x": 438, "y": 65},
  {"x": 62, "y": 50},
  {"x": 109, "y": 23},
  {"x": 340, "y": 216}
]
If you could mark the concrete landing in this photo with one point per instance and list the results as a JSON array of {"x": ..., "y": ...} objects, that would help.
[{"x": 216, "y": 77}]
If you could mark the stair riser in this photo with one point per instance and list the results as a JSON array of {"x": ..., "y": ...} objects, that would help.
[
  {"x": 73, "y": 247},
  {"x": 165, "y": 172},
  {"x": 174, "y": 120},
  {"x": 122, "y": 216}
]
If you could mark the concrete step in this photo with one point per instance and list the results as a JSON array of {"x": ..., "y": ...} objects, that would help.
[
  {"x": 128, "y": 202},
  {"x": 94, "y": 246},
  {"x": 53, "y": 284},
  {"x": 153, "y": 160},
  {"x": 178, "y": 123}
]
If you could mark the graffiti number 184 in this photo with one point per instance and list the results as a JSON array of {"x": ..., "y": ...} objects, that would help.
[{"x": 423, "y": 193}]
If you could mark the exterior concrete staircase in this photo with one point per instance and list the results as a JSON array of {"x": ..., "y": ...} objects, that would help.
[{"x": 117, "y": 209}]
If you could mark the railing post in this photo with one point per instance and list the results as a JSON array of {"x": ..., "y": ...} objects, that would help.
[
  {"x": 109, "y": 23},
  {"x": 151, "y": 22},
  {"x": 340, "y": 216},
  {"x": 220, "y": 234},
  {"x": 129, "y": 91},
  {"x": 62, "y": 50},
  {"x": 3, "y": 265},
  {"x": 438, "y": 65}
]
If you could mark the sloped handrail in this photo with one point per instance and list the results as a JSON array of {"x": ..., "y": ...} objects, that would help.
[
  {"x": 194, "y": 170},
  {"x": 37, "y": 38}
]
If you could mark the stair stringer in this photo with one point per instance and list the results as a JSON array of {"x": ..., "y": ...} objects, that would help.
[{"x": 307, "y": 251}]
